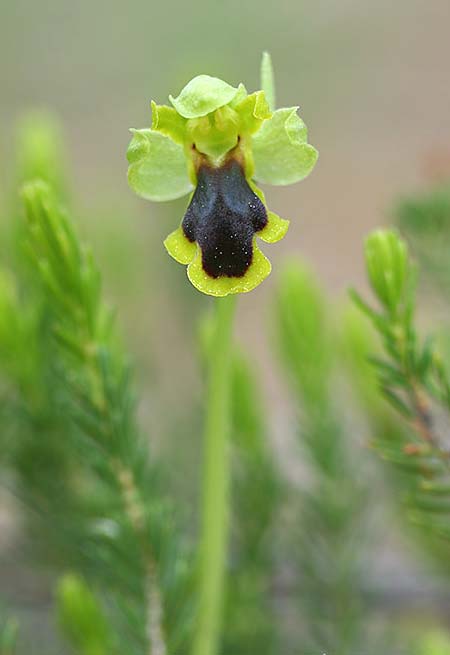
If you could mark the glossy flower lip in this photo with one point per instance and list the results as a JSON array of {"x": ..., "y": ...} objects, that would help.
[
  {"x": 214, "y": 142},
  {"x": 223, "y": 216},
  {"x": 217, "y": 237}
]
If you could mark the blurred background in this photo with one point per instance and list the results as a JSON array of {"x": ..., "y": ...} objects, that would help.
[{"x": 373, "y": 83}]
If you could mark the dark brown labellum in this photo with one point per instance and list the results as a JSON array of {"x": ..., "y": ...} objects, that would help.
[{"x": 222, "y": 217}]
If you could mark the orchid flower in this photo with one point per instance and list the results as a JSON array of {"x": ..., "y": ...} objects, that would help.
[{"x": 215, "y": 143}]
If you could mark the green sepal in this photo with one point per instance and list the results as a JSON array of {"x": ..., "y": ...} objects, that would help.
[
  {"x": 258, "y": 270},
  {"x": 281, "y": 153},
  {"x": 179, "y": 247},
  {"x": 169, "y": 122},
  {"x": 158, "y": 168},
  {"x": 202, "y": 95}
]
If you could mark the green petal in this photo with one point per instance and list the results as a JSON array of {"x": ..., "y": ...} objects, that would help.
[
  {"x": 223, "y": 286},
  {"x": 179, "y": 247},
  {"x": 240, "y": 95},
  {"x": 202, "y": 95},
  {"x": 169, "y": 122},
  {"x": 252, "y": 111},
  {"x": 275, "y": 229},
  {"x": 280, "y": 151},
  {"x": 158, "y": 169}
]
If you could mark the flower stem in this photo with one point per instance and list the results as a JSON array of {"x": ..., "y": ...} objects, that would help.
[{"x": 216, "y": 474}]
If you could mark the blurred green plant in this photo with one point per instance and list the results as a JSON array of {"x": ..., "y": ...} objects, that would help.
[
  {"x": 424, "y": 218},
  {"x": 82, "y": 618},
  {"x": 256, "y": 496},
  {"x": 97, "y": 396},
  {"x": 436, "y": 642},
  {"x": 41, "y": 152},
  {"x": 9, "y": 630},
  {"x": 328, "y": 520},
  {"x": 413, "y": 379},
  {"x": 82, "y": 469}
]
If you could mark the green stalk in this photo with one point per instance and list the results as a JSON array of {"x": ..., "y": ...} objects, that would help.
[{"x": 216, "y": 476}]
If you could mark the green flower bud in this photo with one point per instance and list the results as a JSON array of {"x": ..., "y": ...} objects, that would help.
[
  {"x": 434, "y": 643},
  {"x": 388, "y": 267},
  {"x": 217, "y": 140},
  {"x": 9, "y": 631},
  {"x": 82, "y": 618}
]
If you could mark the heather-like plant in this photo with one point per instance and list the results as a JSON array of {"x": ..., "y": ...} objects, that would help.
[{"x": 414, "y": 380}]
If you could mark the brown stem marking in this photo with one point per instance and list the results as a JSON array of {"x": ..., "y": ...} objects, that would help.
[
  {"x": 424, "y": 421},
  {"x": 135, "y": 514}
]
